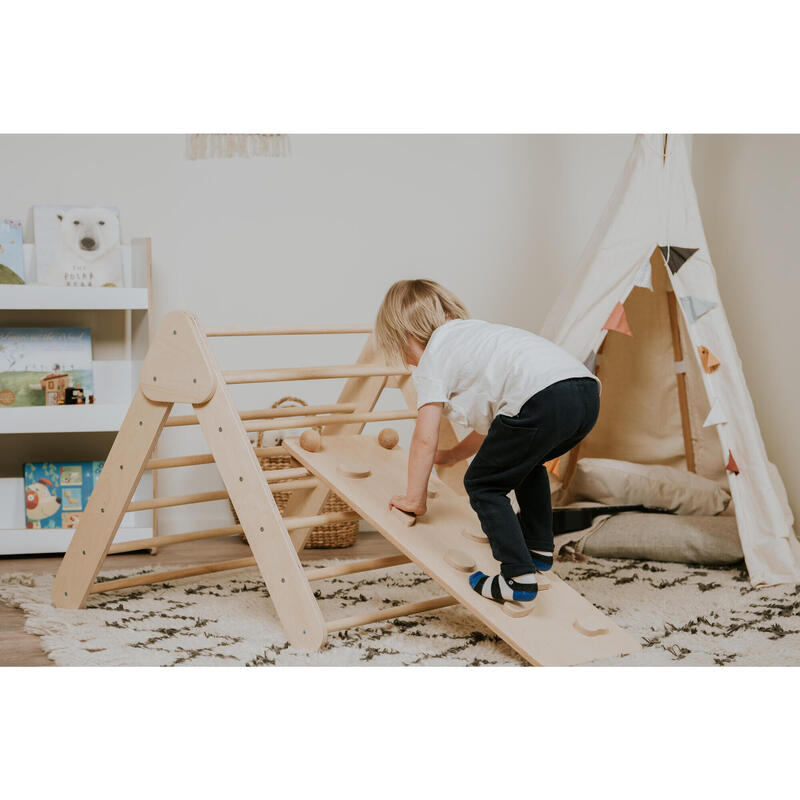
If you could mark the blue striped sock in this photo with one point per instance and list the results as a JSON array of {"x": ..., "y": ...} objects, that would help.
[{"x": 522, "y": 588}]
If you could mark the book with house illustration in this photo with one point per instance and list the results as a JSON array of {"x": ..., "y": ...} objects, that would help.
[
  {"x": 56, "y": 494},
  {"x": 12, "y": 259},
  {"x": 45, "y": 366}
]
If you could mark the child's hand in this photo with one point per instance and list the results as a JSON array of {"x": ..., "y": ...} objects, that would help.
[
  {"x": 405, "y": 503},
  {"x": 445, "y": 458}
]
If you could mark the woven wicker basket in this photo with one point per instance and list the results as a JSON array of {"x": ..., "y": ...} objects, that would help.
[{"x": 334, "y": 534}]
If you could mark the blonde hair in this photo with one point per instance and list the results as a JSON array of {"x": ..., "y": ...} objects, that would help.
[{"x": 414, "y": 309}]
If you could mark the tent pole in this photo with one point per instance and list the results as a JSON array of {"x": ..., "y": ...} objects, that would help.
[{"x": 683, "y": 400}]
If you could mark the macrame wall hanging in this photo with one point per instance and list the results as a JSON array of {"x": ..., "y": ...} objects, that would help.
[{"x": 237, "y": 145}]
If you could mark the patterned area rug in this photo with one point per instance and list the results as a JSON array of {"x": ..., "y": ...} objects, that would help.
[{"x": 683, "y": 615}]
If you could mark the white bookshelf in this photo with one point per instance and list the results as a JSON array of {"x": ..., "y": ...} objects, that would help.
[
  {"x": 119, "y": 319},
  {"x": 75, "y": 297}
]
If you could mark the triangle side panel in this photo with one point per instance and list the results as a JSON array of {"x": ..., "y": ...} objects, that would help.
[
  {"x": 109, "y": 500},
  {"x": 261, "y": 521}
]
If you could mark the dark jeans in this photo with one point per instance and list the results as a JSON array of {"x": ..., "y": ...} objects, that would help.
[{"x": 550, "y": 423}]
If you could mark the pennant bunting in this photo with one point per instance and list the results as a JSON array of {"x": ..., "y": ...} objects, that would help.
[
  {"x": 695, "y": 307},
  {"x": 716, "y": 416},
  {"x": 678, "y": 256},
  {"x": 708, "y": 359},
  {"x": 731, "y": 466},
  {"x": 644, "y": 276},
  {"x": 618, "y": 321}
]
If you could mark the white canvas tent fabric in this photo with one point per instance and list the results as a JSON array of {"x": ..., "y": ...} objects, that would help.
[{"x": 652, "y": 218}]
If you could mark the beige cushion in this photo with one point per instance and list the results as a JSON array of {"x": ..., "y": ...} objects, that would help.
[
  {"x": 605, "y": 480},
  {"x": 664, "y": 537}
]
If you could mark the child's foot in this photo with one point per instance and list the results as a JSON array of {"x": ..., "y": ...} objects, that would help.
[
  {"x": 542, "y": 560},
  {"x": 522, "y": 588}
]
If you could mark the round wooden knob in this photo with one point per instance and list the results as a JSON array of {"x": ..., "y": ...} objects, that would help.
[
  {"x": 388, "y": 438},
  {"x": 311, "y": 441},
  {"x": 460, "y": 560}
]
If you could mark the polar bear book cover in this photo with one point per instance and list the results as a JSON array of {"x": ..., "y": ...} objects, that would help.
[{"x": 77, "y": 245}]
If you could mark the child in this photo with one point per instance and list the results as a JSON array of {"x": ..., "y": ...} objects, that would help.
[{"x": 527, "y": 402}]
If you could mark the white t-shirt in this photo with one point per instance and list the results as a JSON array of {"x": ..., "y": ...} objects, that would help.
[{"x": 479, "y": 370}]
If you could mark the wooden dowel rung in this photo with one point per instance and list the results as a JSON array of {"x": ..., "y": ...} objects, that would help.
[
  {"x": 331, "y": 419},
  {"x": 177, "y": 500},
  {"x": 179, "y": 461},
  {"x": 236, "y": 331},
  {"x": 205, "y": 458},
  {"x": 351, "y": 567},
  {"x": 207, "y": 497},
  {"x": 390, "y": 613},
  {"x": 294, "y": 523},
  {"x": 310, "y": 373},
  {"x": 173, "y": 538},
  {"x": 170, "y": 575},
  {"x": 283, "y": 474},
  {"x": 293, "y": 486},
  {"x": 211, "y": 533},
  {"x": 271, "y": 413}
]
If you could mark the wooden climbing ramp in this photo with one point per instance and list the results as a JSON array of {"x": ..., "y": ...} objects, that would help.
[{"x": 563, "y": 627}]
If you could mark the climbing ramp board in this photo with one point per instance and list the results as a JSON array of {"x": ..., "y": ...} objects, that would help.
[{"x": 562, "y": 629}]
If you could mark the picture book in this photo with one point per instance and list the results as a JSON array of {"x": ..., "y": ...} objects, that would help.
[
  {"x": 56, "y": 494},
  {"x": 38, "y": 365},
  {"x": 77, "y": 245},
  {"x": 12, "y": 258}
]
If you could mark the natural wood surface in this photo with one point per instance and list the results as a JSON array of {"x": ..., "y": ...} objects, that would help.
[
  {"x": 329, "y": 420},
  {"x": 310, "y": 373},
  {"x": 343, "y": 623},
  {"x": 20, "y": 649},
  {"x": 363, "y": 392},
  {"x": 204, "y": 458},
  {"x": 109, "y": 500},
  {"x": 236, "y": 331},
  {"x": 546, "y": 636},
  {"x": 274, "y": 552},
  {"x": 178, "y": 367},
  {"x": 269, "y": 413},
  {"x": 680, "y": 377}
]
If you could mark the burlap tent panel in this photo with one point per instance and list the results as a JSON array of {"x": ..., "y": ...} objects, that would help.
[{"x": 640, "y": 418}]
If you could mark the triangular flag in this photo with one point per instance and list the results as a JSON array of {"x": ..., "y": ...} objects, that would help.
[
  {"x": 709, "y": 360},
  {"x": 618, "y": 321},
  {"x": 644, "y": 276},
  {"x": 695, "y": 307},
  {"x": 678, "y": 256},
  {"x": 731, "y": 466},
  {"x": 716, "y": 416},
  {"x": 552, "y": 466},
  {"x": 591, "y": 361}
]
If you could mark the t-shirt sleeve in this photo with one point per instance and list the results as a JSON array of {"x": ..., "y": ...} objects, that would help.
[
  {"x": 429, "y": 390},
  {"x": 431, "y": 377}
]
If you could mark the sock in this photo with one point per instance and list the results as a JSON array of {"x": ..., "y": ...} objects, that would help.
[
  {"x": 542, "y": 560},
  {"x": 522, "y": 587}
]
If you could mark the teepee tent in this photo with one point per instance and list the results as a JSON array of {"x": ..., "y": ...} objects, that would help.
[{"x": 643, "y": 309}]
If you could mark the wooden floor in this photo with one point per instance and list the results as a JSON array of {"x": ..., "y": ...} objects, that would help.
[{"x": 20, "y": 649}]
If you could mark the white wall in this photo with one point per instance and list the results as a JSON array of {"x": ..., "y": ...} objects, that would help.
[
  {"x": 749, "y": 193},
  {"x": 319, "y": 236}
]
